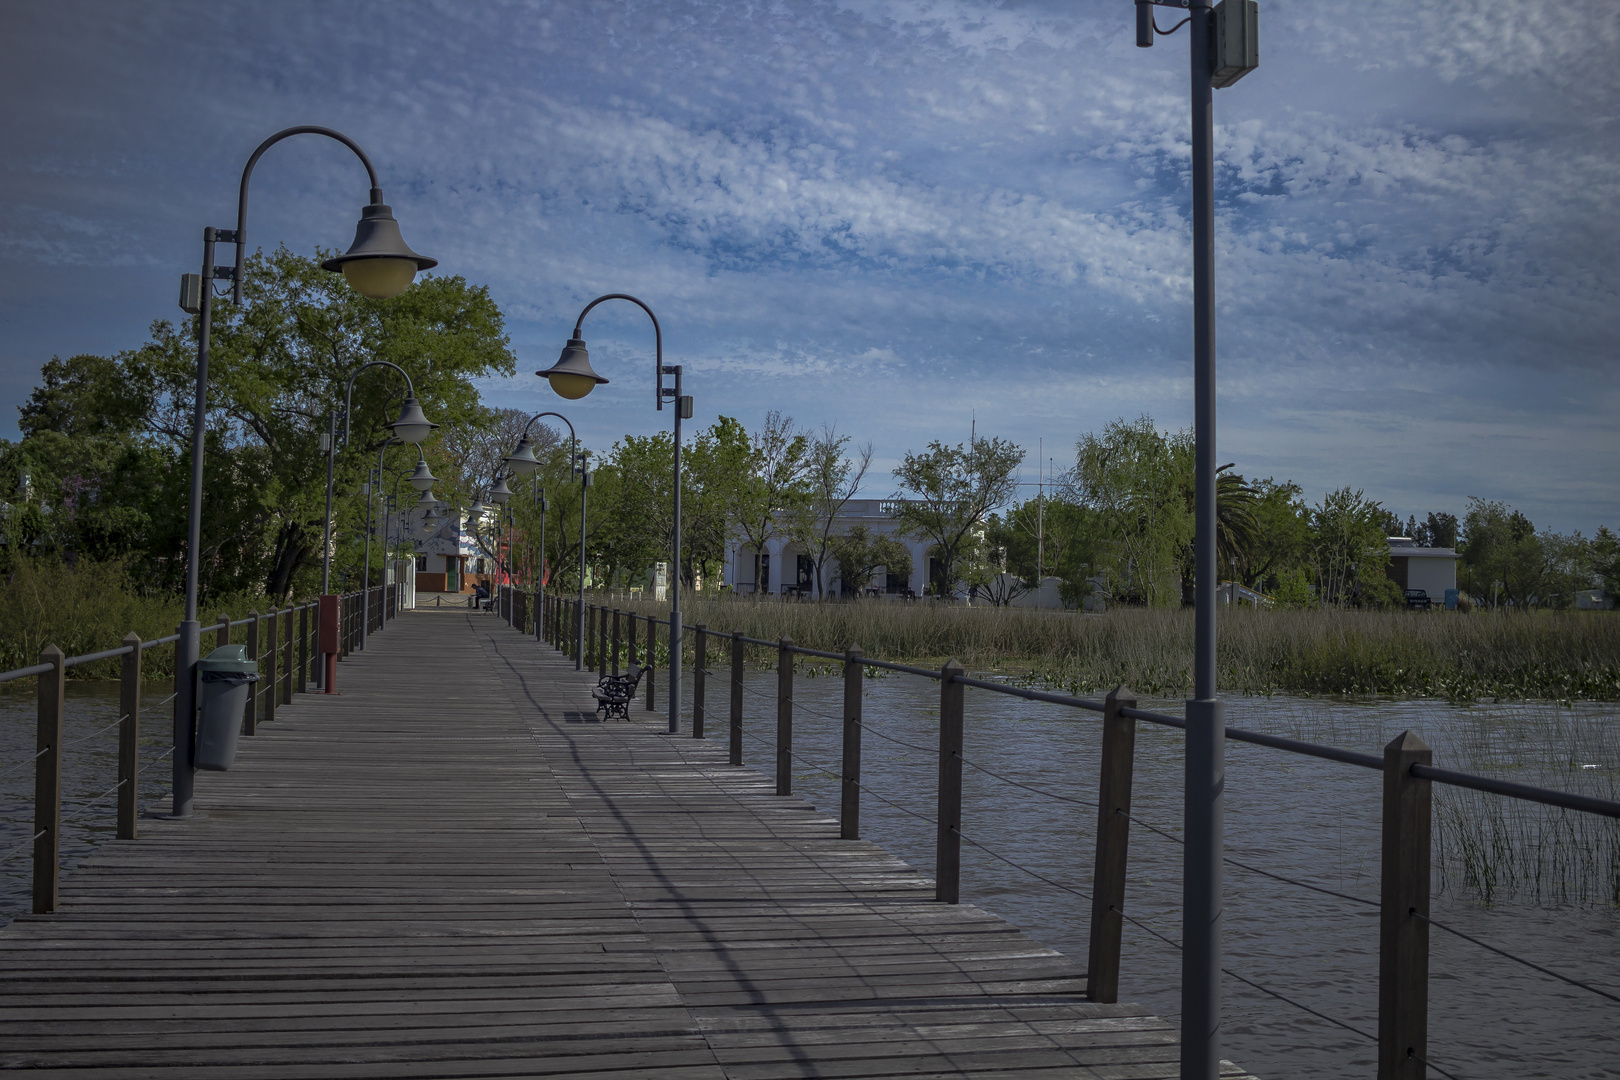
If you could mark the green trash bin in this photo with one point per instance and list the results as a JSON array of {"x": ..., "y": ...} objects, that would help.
[{"x": 227, "y": 676}]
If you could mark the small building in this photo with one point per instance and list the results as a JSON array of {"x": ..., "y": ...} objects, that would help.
[
  {"x": 1432, "y": 569},
  {"x": 783, "y": 567}
]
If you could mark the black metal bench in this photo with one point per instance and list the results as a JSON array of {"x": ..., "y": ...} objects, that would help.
[{"x": 614, "y": 693}]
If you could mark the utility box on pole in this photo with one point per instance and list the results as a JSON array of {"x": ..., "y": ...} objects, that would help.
[{"x": 1237, "y": 41}]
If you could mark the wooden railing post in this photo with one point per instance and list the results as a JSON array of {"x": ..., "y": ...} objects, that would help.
[
  {"x": 48, "y": 781},
  {"x": 250, "y": 711},
  {"x": 302, "y": 683},
  {"x": 1403, "y": 940},
  {"x": 590, "y": 637},
  {"x": 1113, "y": 846},
  {"x": 700, "y": 658},
  {"x": 849, "y": 804},
  {"x": 287, "y": 655},
  {"x": 129, "y": 735},
  {"x": 271, "y": 651},
  {"x": 222, "y": 636},
  {"x": 737, "y": 662},
  {"x": 615, "y": 642},
  {"x": 630, "y": 620},
  {"x": 652, "y": 662},
  {"x": 948, "y": 841},
  {"x": 602, "y": 642},
  {"x": 784, "y": 716}
]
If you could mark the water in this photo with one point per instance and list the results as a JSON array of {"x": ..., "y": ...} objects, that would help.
[
  {"x": 89, "y": 771},
  {"x": 1300, "y": 817},
  {"x": 1296, "y": 816}
]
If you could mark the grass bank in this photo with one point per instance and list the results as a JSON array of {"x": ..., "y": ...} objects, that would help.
[
  {"x": 1563, "y": 657},
  {"x": 88, "y": 608}
]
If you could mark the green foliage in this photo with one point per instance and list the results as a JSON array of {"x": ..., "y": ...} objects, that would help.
[
  {"x": 954, "y": 488},
  {"x": 860, "y": 553},
  {"x": 831, "y": 479},
  {"x": 1351, "y": 548},
  {"x": 1292, "y": 589},
  {"x": 107, "y": 441},
  {"x": 1136, "y": 478}
]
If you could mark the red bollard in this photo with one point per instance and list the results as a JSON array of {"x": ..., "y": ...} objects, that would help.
[{"x": 327, "y": 638}]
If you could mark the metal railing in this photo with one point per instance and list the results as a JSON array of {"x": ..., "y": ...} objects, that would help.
[
  {"x": 286, "y": 655},
  {"x": 1406, "y": 767}
]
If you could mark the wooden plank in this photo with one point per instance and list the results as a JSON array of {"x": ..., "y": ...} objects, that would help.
[{"x": 454, "y": 869}]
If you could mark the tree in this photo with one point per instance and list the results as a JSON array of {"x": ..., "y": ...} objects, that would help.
[
  {"x": 1282, "y": 542},
  {"x": 860, "y": 553},
  {"x": 1606, "y": 561},
  {"x": 1076, "y": 542},
  {"x": 1135, "y": 477},
  {"x": 1349, "y": 538},
  {"x": 1438, "y": 530},
  {"x": 715, "y": 468},
  {"x": 830, "y": 479},
  {"x": 954, "y": 489},
  {"x": 774, "y": 484},
  {"x": 1500, "y": 548},
  {"x": 278, "y": 364}
]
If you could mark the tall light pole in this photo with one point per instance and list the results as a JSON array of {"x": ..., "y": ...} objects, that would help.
[
  {"x": 378, "y": 264},
  {"x": 522, "y": 462},
  {"x": 371, "y": 495},
  {"x": 571, "y": 377},
  {"x": 1224, "y": 45},
  {"x": 411, "y": 427}
]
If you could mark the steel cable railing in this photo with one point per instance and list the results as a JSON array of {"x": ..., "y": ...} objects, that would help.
[
  {"x": 1404, "y": 763},
  {"x": 1516, "y": 959}
]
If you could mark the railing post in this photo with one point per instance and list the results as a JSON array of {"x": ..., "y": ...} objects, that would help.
[
  {"x": 948, "y": 842},
  {"x": 1113, "y": 846},
  {"x": 849, "y": 804},
  {"x": 652, "y": 662},
  {"x": 590, "y": 637},
  {"x": 129, "y": 735},
  {"x": 222, "y": 636},
  {"x": 302, "y": 684},
  {"x": 784, "y": 716},
  {"x": 287, "y": 655},
  {"x": 48, "y": 781},
  {"x": 602, "y": 642},
  {"x": 1403, "y": 939},
  {"x": 271, "y": 650},
  {"x": 250, "y": 711},
  {"x": 615, "y": 642},
  {"x": 630, "y": 620},
  {"x": 700, "y": 657},
  {"x": 737, "y": 661}
]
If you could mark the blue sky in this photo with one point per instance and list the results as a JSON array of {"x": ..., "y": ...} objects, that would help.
[{"x": 900, "y": 217}]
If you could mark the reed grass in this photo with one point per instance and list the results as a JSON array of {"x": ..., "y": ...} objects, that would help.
[
  {"x": 1561, "y": 657},
  {"x": 89, "y": 607}
]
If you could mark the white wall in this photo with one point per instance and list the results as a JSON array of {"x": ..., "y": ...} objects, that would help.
[{"x": 1433, "y": 576}]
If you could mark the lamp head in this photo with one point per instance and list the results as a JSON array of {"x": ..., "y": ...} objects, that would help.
[
  {"x": 379, "y": 263},
  {"x": 522, "y": 461},
  {"x": 571, "y": 376},
  {"x": 500, "y": 492},
  {"x": 412, "y": 426},
  {"x": 423, "y": 479}
]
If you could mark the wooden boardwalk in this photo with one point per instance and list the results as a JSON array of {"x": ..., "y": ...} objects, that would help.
[{"x": 453, "y": 870}]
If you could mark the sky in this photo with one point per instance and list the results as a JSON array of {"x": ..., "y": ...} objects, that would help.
[{"x": 910, "y": 219}]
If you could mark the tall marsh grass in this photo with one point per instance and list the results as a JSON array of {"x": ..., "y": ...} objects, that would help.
[
  {"x": 90, "y": 607},
  {"x": 1563, "y": 657}
]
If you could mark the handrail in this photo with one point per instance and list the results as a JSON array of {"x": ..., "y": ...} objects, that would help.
[{"x": 1528, "y": 792}]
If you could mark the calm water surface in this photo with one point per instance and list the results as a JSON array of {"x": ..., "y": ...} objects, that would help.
[
  {"x": 1296, "y": 816},
  {"x": 1304, "y": 818}
]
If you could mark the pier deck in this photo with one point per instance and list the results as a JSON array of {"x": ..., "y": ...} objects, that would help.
[{"x": 453, "y": 870}]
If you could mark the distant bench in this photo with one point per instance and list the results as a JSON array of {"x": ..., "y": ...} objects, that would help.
[{"x": 614, "y": 693}]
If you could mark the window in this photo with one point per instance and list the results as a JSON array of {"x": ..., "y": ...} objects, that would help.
[{"x": 421, "y": 564}]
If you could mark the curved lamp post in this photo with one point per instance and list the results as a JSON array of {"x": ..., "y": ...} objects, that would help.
[
  {"x": 411, "y": 427},
  {"x": 378, "y": 264},
  {"x": 522, "y": 462},
  {"x": 571, "y": 377}
]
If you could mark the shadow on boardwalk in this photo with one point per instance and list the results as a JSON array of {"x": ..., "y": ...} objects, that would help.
[{"x": 453, "y": 869}]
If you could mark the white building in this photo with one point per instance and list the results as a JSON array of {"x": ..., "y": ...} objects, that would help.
[
  {"x": 783, "y": 567},
  {"x": 1432, "y": 569}
]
